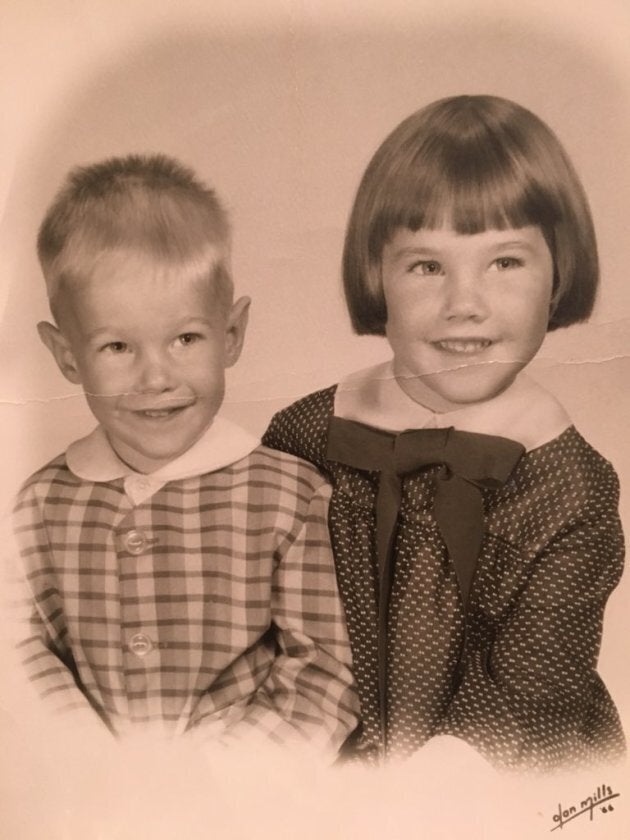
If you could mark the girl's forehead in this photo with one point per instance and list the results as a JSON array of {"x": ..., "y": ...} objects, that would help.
[
  {"x": 468, "y": 198},
  {"x": 473, "y": 209},
  {"x": 447, "y": 240}
]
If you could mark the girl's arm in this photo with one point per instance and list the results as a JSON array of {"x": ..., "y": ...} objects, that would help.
[
  {"x": 531, "y": 696},
  {"x": 301, "y": 429}
]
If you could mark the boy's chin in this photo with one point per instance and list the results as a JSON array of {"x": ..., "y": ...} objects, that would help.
[{"x": 144, "y": 459}]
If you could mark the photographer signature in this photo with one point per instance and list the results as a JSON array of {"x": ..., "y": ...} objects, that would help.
[{"x": 600, "y": 800}]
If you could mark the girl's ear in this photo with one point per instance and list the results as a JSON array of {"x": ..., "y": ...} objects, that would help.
[
  {"x": 235, "y": 330},
  {"x": 59, "y": 346}
]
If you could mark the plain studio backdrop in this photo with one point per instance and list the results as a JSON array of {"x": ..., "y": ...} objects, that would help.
[{"x": 279, "y": 106}]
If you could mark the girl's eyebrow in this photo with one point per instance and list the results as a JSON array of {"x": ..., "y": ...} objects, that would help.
[
  {"x": 416, "y": 251},
  {"x": 435, "y": 251},
  {"x": 513, "y": 243}
]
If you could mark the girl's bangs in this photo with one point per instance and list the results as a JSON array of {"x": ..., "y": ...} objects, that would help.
[{"x": 469, "y": 193}]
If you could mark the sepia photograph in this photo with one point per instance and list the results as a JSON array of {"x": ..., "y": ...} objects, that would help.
[{"x": 315, "y": 330}]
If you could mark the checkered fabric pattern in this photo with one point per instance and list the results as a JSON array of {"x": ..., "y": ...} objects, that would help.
[{"x": 211, "y": 604}]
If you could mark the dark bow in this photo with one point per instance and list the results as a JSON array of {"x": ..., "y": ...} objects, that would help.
[{"x": 468, "y": 463}]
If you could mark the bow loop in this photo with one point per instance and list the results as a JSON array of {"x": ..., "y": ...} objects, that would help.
[
  {"x": 415, "y": 449},
  {"x": 469, "y": 462},
  {"x": 476, "y": 457}
]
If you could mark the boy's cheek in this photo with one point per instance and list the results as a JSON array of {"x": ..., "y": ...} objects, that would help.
[
  {"x": 101, "y": 406},
  {"x": 101, "y": 379}
]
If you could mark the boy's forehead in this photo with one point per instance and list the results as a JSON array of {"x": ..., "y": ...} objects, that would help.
[
  {"x": 134, "y": 266},
  {"x": 109, "y": 273}
]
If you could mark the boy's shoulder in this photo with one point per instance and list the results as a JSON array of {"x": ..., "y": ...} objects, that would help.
[
  {"x": 273, "y": 468},
  {"x": 54, "y": 472}
]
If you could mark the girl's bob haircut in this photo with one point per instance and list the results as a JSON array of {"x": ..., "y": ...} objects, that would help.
[{"x": 471, "y": 163}]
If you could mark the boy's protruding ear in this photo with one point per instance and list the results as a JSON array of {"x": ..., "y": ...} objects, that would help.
[
  {"x": 235, "y": 330},
  {"x": 58, "y": 345}
]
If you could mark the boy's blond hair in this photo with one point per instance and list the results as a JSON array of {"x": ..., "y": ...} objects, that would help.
[{"x": 147, "y": 204}]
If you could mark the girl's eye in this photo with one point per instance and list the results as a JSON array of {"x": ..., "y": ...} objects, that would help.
[
  {"x": 428, "y": 268},
  {"x": 115, "y": 347},
  {"x": 504, "y": 263},
  {"x": 186, "y": 339}
]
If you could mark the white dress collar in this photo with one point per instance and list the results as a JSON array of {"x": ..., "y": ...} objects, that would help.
[
  {"x": 524, "y": 412},
  {"x": 92, "y": 458}
]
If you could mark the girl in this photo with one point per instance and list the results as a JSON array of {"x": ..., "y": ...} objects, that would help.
[{"x": 476, "y": 532}]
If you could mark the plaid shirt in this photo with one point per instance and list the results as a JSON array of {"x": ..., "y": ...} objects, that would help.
[{"x": 201, "y": 595}]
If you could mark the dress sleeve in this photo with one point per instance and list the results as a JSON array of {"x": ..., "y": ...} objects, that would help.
[
  {"x": 530, "y": 695},
  {"x": 302, "y": 428},
  {"x": 307, "y": 700},
  {"x": 36, "y": 625}
]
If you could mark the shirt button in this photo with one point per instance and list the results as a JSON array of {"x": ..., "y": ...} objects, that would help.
[
  {"x": 140, "y": 644},
  {"x": 135, "y": 542}
]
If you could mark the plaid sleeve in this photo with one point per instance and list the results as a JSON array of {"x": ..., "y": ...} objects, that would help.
[
  {"x": 308, "y": 696},
  {"x": 37, "y": 622}
]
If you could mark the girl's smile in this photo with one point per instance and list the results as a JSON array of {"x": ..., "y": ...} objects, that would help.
[
  {"x": 465, "y": 312},
  {"x": 464, "y": 346}
]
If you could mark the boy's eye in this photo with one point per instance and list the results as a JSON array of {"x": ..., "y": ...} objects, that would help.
[
  {"x": 426, "y": 267},
  {"x": 186, "y": 339},
  {"x": 115, "y": 347},
  {"x": 503, "y": 263}
]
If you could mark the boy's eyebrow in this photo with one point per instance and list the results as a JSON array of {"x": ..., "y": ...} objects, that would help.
[
  {"x": 186, "y": 321},
  {"x": 193, "y": 319}
]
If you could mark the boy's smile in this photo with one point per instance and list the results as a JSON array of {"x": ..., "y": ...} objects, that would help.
[
  {"x": 150, "y": 347},
  {"x": 465, "y": 312}
]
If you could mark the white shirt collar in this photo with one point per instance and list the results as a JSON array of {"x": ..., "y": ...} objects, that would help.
[
  {"x": 92, "y": 458},
  {"x": 524, "y": 412}
]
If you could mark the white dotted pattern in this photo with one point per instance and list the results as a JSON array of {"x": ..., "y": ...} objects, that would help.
[{"x": 530, "y": 696}]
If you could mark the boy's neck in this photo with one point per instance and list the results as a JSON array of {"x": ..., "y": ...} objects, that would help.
[
  {"x": 94, "y": 459},
  {"x": 144, "y": 465}
]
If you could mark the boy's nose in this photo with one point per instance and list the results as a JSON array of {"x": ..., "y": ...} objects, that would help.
[
  {"x": 155, "y": 374},
  {"x": 464, "y": 300}
]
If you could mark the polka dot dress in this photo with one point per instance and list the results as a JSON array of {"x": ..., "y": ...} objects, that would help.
[{"x": 529, "y": 695}]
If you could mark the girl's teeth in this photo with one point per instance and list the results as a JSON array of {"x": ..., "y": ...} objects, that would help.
[
  {"x": 463, "y": 346},
  {"x": 164, "y": 412}
]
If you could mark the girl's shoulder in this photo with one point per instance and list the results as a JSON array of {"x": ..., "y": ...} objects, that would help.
[
  {"x": 572, "y": 466},
  {"x": 302, "y": 428}
]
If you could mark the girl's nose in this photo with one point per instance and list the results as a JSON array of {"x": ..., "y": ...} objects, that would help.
[
  {"x": 155, "y": 374},
  {"x": 463, "y": 298}
]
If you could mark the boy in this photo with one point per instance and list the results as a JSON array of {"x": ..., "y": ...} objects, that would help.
[{"x": 178, "y": 574}]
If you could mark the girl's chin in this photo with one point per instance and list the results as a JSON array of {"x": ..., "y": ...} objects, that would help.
[{"x": 452, "y": 390}]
